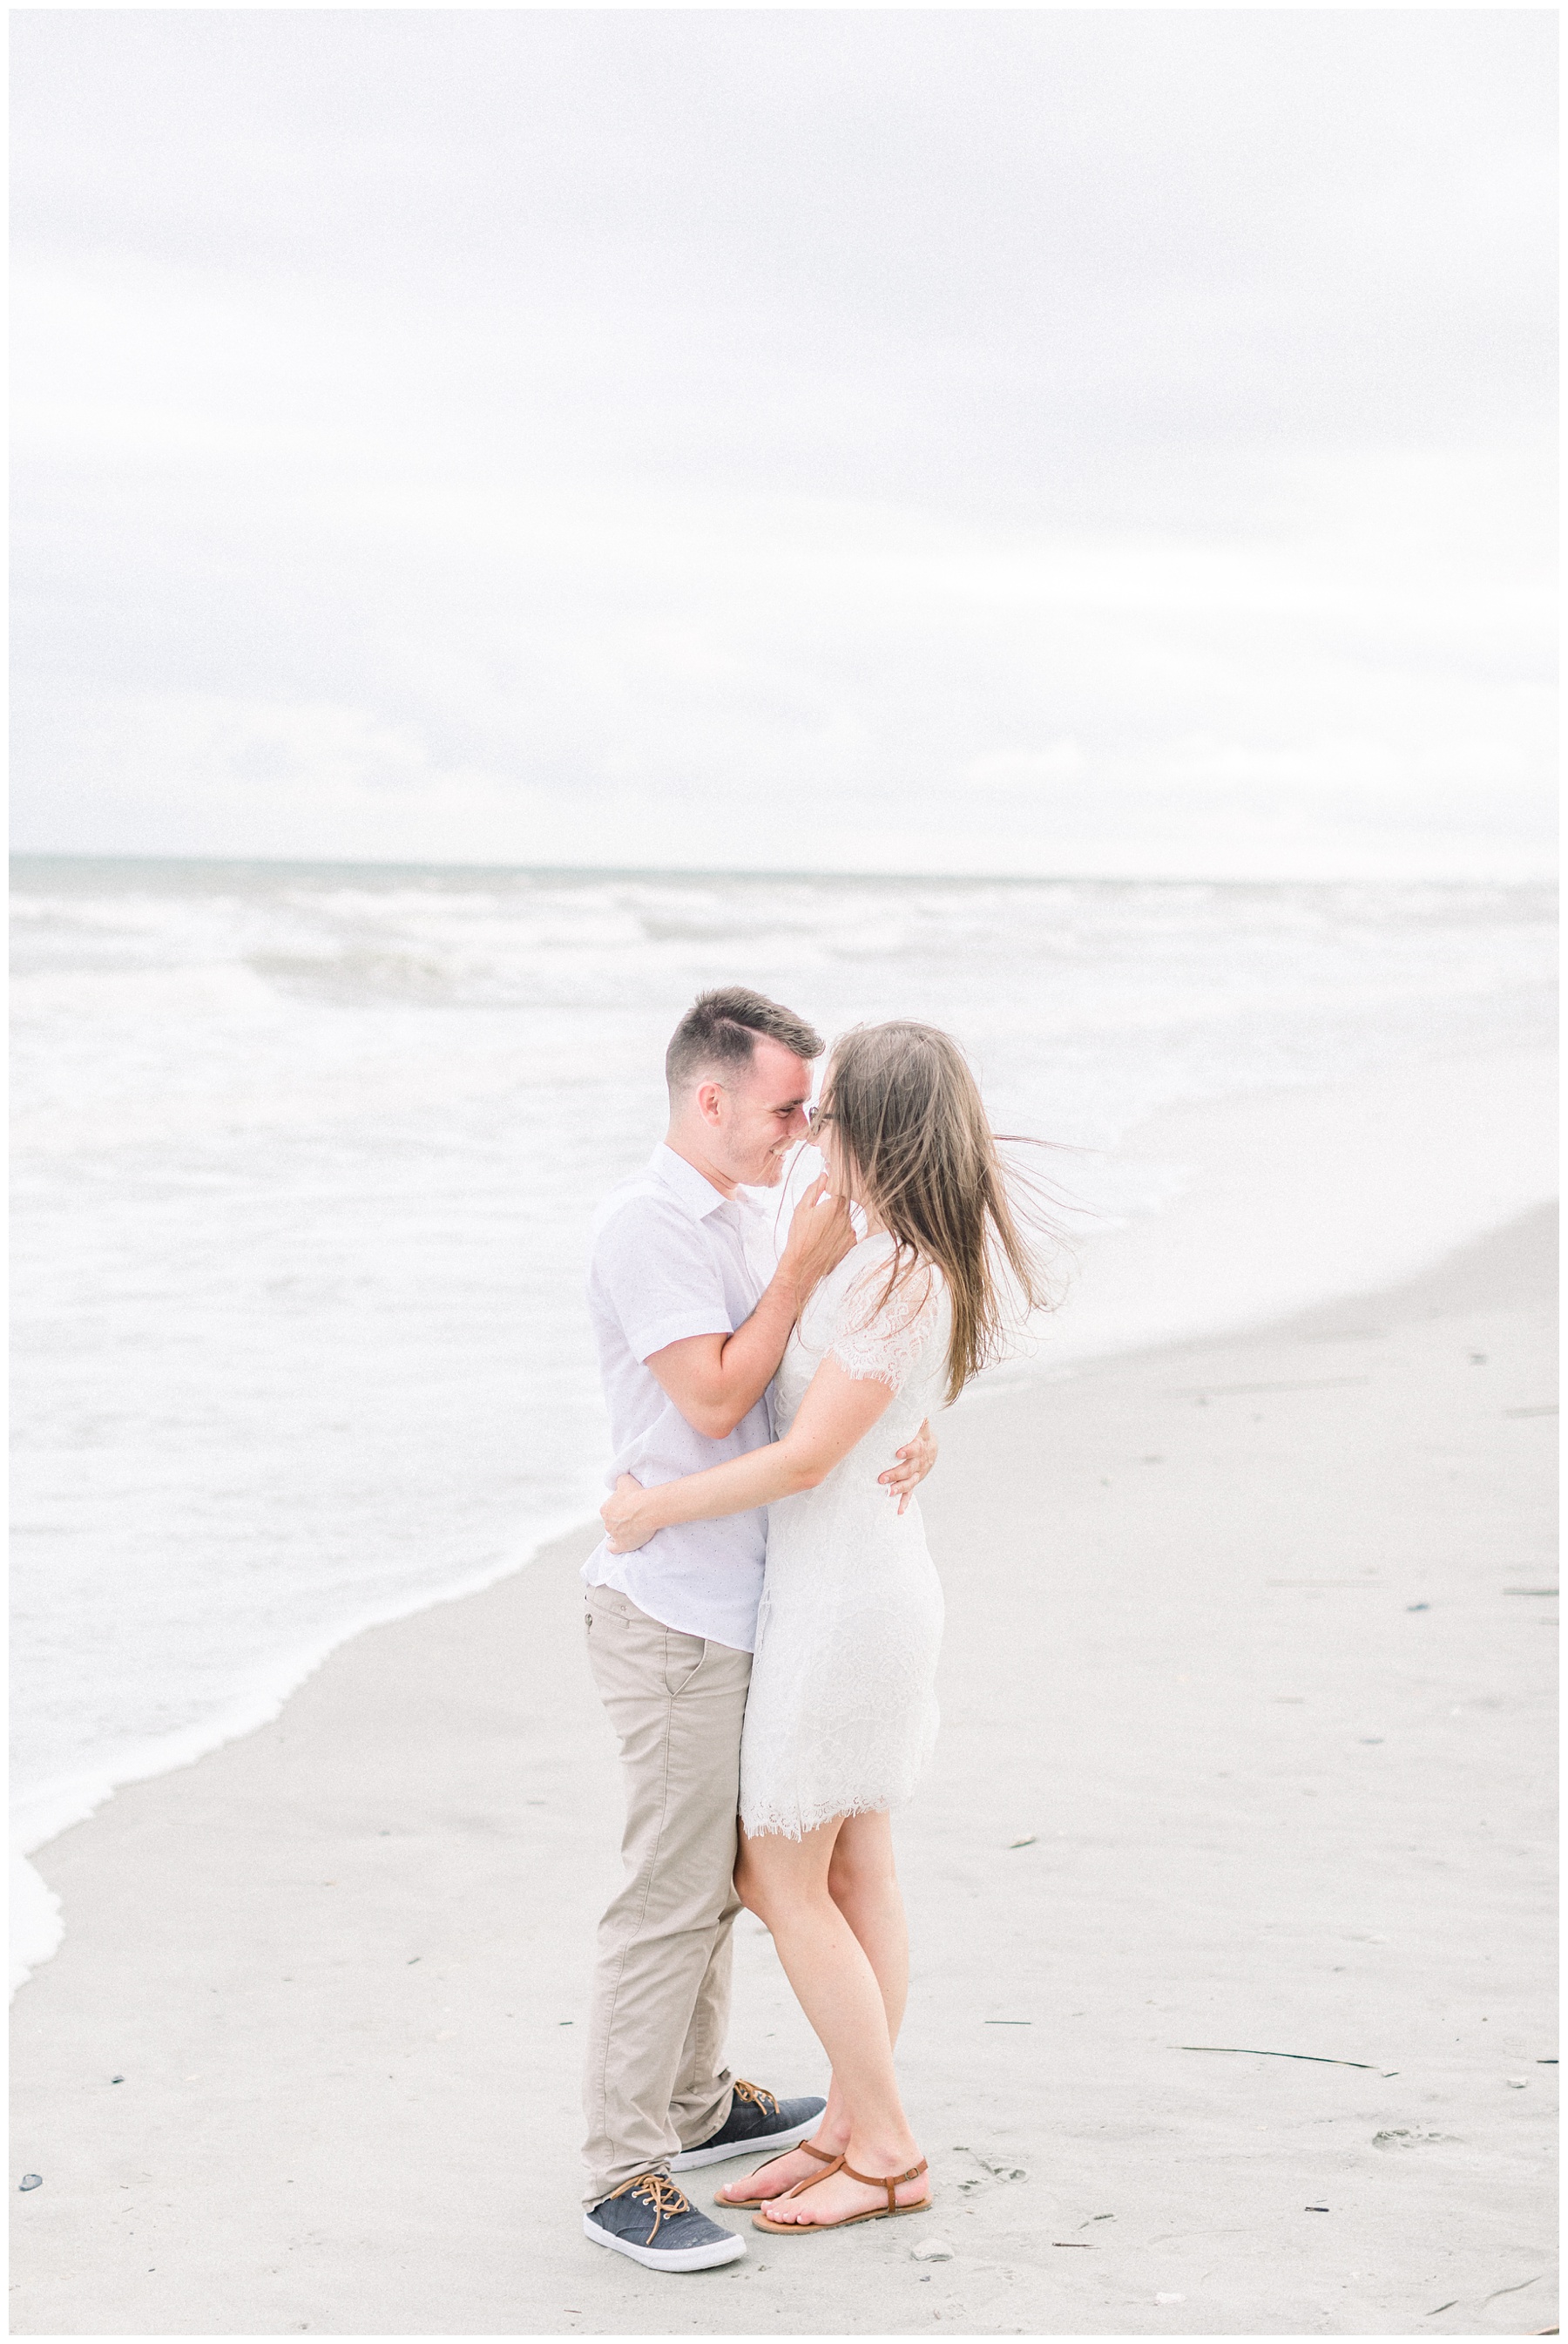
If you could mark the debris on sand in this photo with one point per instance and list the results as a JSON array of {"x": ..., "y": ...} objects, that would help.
[{"x": 1317, "y": 2059}]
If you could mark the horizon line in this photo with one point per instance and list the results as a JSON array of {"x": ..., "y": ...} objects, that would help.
[{"x": 763, "y": 871}]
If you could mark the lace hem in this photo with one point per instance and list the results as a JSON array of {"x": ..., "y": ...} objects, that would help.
[{"x": 773, "y": 1823}]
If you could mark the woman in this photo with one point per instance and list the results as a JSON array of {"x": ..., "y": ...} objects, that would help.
[{"x": 841, "y": 1714}]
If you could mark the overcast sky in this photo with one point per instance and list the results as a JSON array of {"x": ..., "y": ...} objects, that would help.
[{"x": 998, "y": 440}]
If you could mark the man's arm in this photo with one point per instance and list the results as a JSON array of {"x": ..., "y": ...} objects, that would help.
[{"x": 717, "y": 1380}]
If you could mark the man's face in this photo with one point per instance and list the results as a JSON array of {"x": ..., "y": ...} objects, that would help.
[{"x": 761, "y": 1113}]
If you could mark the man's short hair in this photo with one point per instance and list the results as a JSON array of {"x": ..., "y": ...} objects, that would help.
[{"x": 718, "y": 1035}]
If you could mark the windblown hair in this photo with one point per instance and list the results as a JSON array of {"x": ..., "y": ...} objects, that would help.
[
  {"x": 718, "y": 1034},
  {"x": 908, "y": 1114}
]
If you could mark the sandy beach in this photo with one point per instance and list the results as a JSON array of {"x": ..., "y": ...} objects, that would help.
[{"x": 1247, "y": 1744}]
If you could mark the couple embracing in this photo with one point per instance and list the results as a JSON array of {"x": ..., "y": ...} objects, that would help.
[{"x": 763, "y": 1617}]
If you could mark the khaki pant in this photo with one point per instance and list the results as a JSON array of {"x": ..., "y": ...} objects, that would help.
[{"x": 655, "y": 2082}]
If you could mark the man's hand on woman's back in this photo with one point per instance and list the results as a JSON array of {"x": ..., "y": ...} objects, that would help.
[{"x": 915, "y": 1460}]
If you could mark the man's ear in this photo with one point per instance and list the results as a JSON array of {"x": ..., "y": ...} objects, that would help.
[{"x": 707, "y": 1097}]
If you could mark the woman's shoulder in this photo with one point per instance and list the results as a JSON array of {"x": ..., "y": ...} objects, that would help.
[
  {"x": 886, "y": 1275},
  {"x": 866, "y": 1284},
  {"x": 886, "y": 1312},
  {"x": 863, "y": 1267}
]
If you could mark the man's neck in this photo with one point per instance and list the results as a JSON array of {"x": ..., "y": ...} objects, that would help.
[{"x": 679, "y": 1144}]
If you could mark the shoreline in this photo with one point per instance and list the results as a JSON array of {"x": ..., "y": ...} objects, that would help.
[
  {"x": 69, "y": 1801},
  {"x": 1153, "y": 1842},
  {"x": 1235, "y": 1159}
]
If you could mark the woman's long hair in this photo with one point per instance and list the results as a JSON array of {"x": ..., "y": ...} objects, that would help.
[{"x": 906, "y": 1113}]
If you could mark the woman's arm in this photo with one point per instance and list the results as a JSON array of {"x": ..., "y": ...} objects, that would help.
[{"x": 839, "y": 1409}]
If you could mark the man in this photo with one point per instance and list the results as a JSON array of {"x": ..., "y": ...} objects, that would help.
[{"x": 689, "y": 1333}]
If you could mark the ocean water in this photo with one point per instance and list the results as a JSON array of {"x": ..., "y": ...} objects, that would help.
[{"x": 305, "y": 1158}]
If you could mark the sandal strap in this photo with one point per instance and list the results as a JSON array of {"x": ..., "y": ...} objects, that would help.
[
  {"x": 822, "y": 2155},
  {"x": 831, "y": 2166},
  {"x": 887, "y": 2181}
]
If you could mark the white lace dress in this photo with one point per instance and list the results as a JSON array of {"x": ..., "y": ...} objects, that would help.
[{"x": 841, "y": 1715}]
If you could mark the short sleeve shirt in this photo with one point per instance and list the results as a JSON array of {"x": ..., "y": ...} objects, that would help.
[{"x": 672, "y": 1257}]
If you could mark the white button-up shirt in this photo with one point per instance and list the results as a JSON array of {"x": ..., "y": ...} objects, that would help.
[{"x": 672, "y": 1257}]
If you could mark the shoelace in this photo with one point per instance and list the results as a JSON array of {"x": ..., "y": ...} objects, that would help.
[
  {"x": 757, "y": 2096},
  {"x": 659, "y": 2192}
]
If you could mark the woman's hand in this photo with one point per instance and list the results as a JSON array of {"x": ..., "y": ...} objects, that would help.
[
  {"x": 820, "y": 1233},
  {"x": 915, "y": 1461},
  {"x": 627, "y": 1516}
]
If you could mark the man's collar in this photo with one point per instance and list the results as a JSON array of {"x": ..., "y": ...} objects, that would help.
[{"x": 696, "y": 1193}]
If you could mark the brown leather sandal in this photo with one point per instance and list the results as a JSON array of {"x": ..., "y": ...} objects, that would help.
[
  {"x": 887, "y": 2181},
  {"x": 761, "y": 2196}
]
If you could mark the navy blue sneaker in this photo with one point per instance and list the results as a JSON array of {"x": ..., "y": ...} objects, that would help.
[
  {"x": 649, "y": 2219},
  {"x": 756, "y": 2120}
]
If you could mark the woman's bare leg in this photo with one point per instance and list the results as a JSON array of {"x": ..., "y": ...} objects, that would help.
[
  {"x": 863, "y": 1884},
  {"x": 786, "y": 1882}
]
